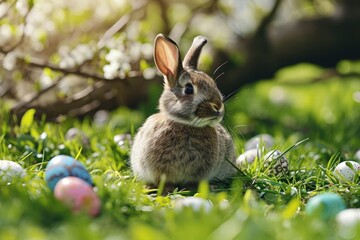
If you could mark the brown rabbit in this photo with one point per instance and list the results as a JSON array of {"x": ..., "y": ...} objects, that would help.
[{"x": 185, "y": 141}]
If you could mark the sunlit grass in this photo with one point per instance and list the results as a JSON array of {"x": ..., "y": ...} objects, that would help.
[{"x": 256, "y": 205}]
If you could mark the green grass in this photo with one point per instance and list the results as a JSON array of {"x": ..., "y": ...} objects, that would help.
[{"x": 255, "y": 206}]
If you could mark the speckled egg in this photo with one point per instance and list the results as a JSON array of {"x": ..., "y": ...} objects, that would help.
[
  {"x": 278, "y": 164},
  {"x": 195, "y": 203},
  {"x": 260, "y": 140},
  {"x": 348, "y": 221},
  {"x": 247, "y": 158},
  {"x": 63, "y": 166},
  {"x": 78, "y": 195},
  {"x": 357, "y": 156},
  {"x": 325, "y": 205},
  {"x": 10, "y": 170},
  {"x": 344, "y": 172}
]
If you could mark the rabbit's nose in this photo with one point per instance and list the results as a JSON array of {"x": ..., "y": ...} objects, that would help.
[{"x": 217, "y": 107}]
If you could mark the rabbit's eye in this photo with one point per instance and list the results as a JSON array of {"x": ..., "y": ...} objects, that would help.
[{"x": 189, "y": 89}]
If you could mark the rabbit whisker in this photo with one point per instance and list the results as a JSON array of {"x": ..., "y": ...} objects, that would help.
[
  {"x": 231, "y": 95},
  {"x": 220, "y": 67},
  {"x": 219, "y": 76}
]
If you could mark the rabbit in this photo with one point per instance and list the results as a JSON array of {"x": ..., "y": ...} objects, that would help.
[{"x": 185, "y": 141}]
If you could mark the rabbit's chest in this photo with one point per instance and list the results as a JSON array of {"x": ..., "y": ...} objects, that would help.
[
  {"x": 185, "y": 149},
  {"x": 182, "y": 153}
]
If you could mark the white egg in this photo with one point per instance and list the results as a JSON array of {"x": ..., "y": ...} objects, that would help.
[
  {"x": 260, "y": 140},
  {"x": 357, "y": 155},
  {"x": 10, "y": 170},
  {"x": 347, "y": 222},
  {"x": 195, "y": 203},
  {"x": 123, "y": 140},
  {"x": 344, "y": 172},
  {"x": 248, "y": 157},
  {"x": 75, "y": 133},
  {"x": 278, "y": 165}
]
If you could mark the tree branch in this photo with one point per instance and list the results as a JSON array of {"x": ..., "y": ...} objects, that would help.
[
  {"x": 179, "y": 29},
  {"x": 22, "y": 37},
  {"x": 121, "y": 23},
  {"x": 323, "y": 41},
  {"x": 265, "y": 22},
  {"x": 25, "y": 103},
  {"x": 78, "y": 72}
]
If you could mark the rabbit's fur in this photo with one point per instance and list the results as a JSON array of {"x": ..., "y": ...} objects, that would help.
[{"x": 185, "y": 141}]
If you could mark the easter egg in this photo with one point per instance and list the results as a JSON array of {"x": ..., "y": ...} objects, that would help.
[
  {"x": 348, "y": 221},
  {"x": 123, "y": 140},
  {"x": 260, "y": 140},
  {"x": 77, "y": 134},
  {"x": 346, "y": 171},
  {"x": 78, "y": 195},
  {"x": 63, "y": 166},
  {"x": 10, "y": 170},
  {"x": 195, "y": 203},
  {"x": 248, "y": 157},
  {"x": 278, "y": 164},
  {"x": 325, "y": 205},
  {"x": 357, "y": 156},
  {"x": 101, "y": 117}
]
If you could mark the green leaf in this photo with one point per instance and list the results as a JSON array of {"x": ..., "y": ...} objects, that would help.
[
  {"x": 143, "y": 65},
  {"x": 203, "y": 191},
  {"x": 291, "y": 209},
  {"x": 27, "y": 120}
]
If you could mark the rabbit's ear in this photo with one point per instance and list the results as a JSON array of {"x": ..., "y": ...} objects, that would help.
[
  {"x": 192, "y": 56},
  {"x": 167, "y": 58}
]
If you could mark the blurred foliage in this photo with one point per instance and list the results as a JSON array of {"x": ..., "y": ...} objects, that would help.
[
  {"x": 66, "y": 46},
  {"x": 257, "y": 205},
  {"x": 302, "y": 101}
]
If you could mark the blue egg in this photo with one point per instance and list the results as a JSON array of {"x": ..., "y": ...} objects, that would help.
[
  {"x": 325, "y": 205},
  {"x": 63, "y": 166}
]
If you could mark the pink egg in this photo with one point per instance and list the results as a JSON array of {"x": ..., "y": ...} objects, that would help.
[{"x": 78, "y": 195}]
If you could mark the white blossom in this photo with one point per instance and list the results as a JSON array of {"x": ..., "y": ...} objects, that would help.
[
  {"x": 111, "y": 71},
  {"x": 78, "y": 57},
  {"x": 122, "y": 74},
  {"x": 5, "y": 33},
  {"x": 4, "y": 7},
  {"x": 45, "y": 81},
  {"x": 147, "y": 50},
  {"x": 135, "y": 51},
  {"x": 9, "y": 61},
  {"x": 67, "y": 62},
  {"x": 116, "y": 55},
  {"x": 22, "y": 6},
  {"x": 126, "y": 67},
  {"x": 149, "y": 73},
  {"x": 85, "y": 50}
]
